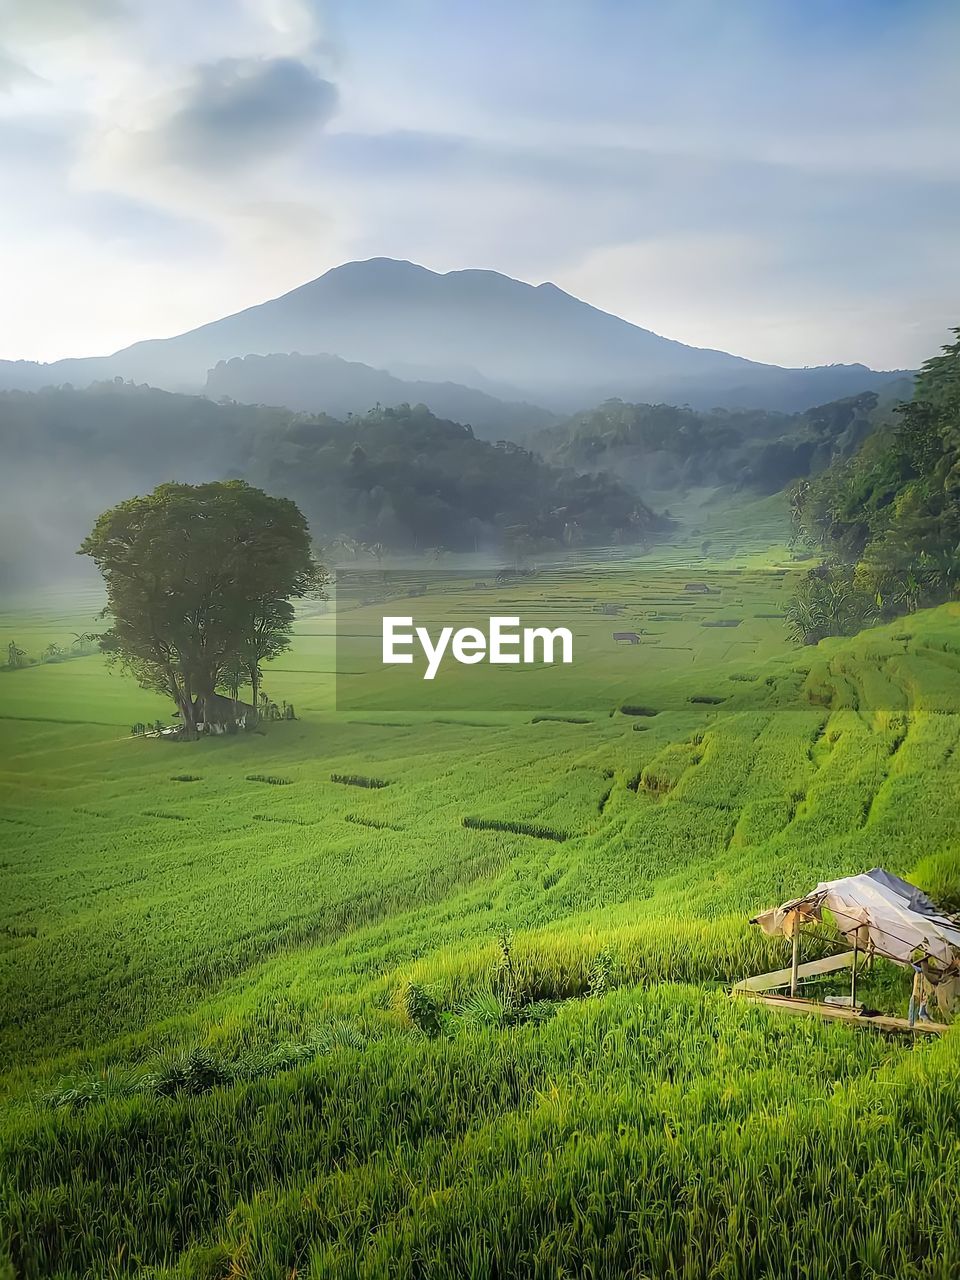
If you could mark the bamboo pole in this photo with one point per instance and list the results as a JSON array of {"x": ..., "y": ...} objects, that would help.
[
  {"x": 912, "y": 1013},
  {"x": 795, "y": 961},
  {"x": 853, "y": 979}
]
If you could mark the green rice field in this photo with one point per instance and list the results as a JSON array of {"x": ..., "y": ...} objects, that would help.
[{"x": 444, "y": 992}]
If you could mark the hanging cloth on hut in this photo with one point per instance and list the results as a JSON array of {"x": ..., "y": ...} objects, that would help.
[{"x": 882, "y": 914}]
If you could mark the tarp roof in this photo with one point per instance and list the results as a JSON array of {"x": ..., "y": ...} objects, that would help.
[{"x": 880, "y": 913}]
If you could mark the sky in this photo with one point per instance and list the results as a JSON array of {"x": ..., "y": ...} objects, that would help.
[{"x": 775, "y": 178}]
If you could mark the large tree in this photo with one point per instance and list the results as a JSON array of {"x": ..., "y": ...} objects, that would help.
[{"x": 200, "y": 580}]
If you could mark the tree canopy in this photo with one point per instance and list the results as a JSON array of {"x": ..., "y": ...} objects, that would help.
[
  {"x": 665, "y": 446},
  {"x": 200, "y": 580},
  {"x": 399, "y": 477},
  {"x": 403, "y": 478},
  {"x": 889, "y": 516}
]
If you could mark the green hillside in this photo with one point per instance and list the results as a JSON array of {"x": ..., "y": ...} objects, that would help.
[{"x": 263, "y": 1019}]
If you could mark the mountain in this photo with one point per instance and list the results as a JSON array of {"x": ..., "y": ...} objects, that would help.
[
  {"x": 327, "y": 384},
  {"x": 553, "y": 348}
]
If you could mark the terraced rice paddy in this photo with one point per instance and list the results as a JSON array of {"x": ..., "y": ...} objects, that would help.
[{"x": 264, "y": 1016}]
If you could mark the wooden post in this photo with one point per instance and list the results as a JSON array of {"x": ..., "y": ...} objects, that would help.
[
  {"x": 912, "y": 1014},
  {"x": 795, "y": 962},
  {"x": 853, "y": 980}
]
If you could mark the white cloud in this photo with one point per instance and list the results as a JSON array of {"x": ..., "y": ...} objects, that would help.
[
  {"x": 740, "y": 294},
  {"x": 728, "y": 175},
  {"x": 151, "y": 138}
]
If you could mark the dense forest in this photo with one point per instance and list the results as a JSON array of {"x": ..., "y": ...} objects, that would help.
[
  {"x": 395, "y": 479},
  {"x": 874, "y": 479},
  {"x": 664, "y": 446},
  {"x": 404, "y": 479},
  {"x": 888, "y": 517}
]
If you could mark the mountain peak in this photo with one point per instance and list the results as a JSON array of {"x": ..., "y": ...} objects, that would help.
[
  {"x": 376, "y": 266},
  {"x": 521, "y": 341},
  {"x": 402, "y": 271}
]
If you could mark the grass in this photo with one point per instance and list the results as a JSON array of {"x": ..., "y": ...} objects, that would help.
[
  {"x": 358, "y": 780},
  {"x": 518, "y": 828},
  {"x": 333, "y": 1030}
]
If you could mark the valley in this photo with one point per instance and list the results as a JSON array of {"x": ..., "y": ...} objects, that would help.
[
  {"x": 479, "y": 641},
  {"x": 406, "y": 965}
]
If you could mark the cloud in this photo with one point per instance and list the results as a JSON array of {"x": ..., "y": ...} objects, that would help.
[
  {"x": 237, "y": 110},
  {"x": 55, "y": 19},
  {"x": 220, "y": 152},
  {"x": 742, "y": 293},
  {"x": 777, "y": 179},
  {"x": 13, "y": 72},
  {"x": 38, "y": 31},
  {"x": 154, "y": 157}
]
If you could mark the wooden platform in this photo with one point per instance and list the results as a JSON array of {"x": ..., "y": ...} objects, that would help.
[
  {"x": 832, "y": 1012},
  {"x": 759, "y": 987},
  {"x": 781, "y": 977}
]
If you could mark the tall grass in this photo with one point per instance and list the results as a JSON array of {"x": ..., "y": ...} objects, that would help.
[
  {"x": 665, "y": 1132},
  {"x": 530, "y": 1066}
]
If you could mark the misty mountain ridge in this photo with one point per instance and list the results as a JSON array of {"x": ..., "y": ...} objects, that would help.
[
  {"x": 341, "y": 388},
  {"x": 399, "y": 478},
  {"x": 536, "y": 342}
]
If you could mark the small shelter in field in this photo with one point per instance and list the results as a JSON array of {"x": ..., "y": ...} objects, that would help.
[
  {"x": 699, "y": 588},
  {"x": 224, "y": 715},
  {"x": 626, "y": 637},
  {"x": 879, "y": 915}
]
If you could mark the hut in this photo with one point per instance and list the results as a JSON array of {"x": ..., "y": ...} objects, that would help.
[
  {"x": 225, "y": 715},
  {"x": 880, "y": 915}
]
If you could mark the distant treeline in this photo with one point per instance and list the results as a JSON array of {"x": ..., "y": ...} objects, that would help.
[
  {"x": 663, "y": 446},
  {"x": 393, "y": 479},
  {"x": 400, "y": 479}
]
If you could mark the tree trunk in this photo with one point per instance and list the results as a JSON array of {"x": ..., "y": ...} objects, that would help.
[
  {"x": 255, "y": 689},
  {"x": 188, "y": 718},
  {"x": 208, "y": 720},
  {"x": 180, "y": 694}
]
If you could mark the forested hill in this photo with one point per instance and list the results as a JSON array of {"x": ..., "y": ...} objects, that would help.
[
  {"x": 406, "y": 479},
  {"x": 341, "y": 388},
  {"x": 887, "y": 517},
  {"x": 399, "y": 478},
  {"x": 665, "y": 447}
]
